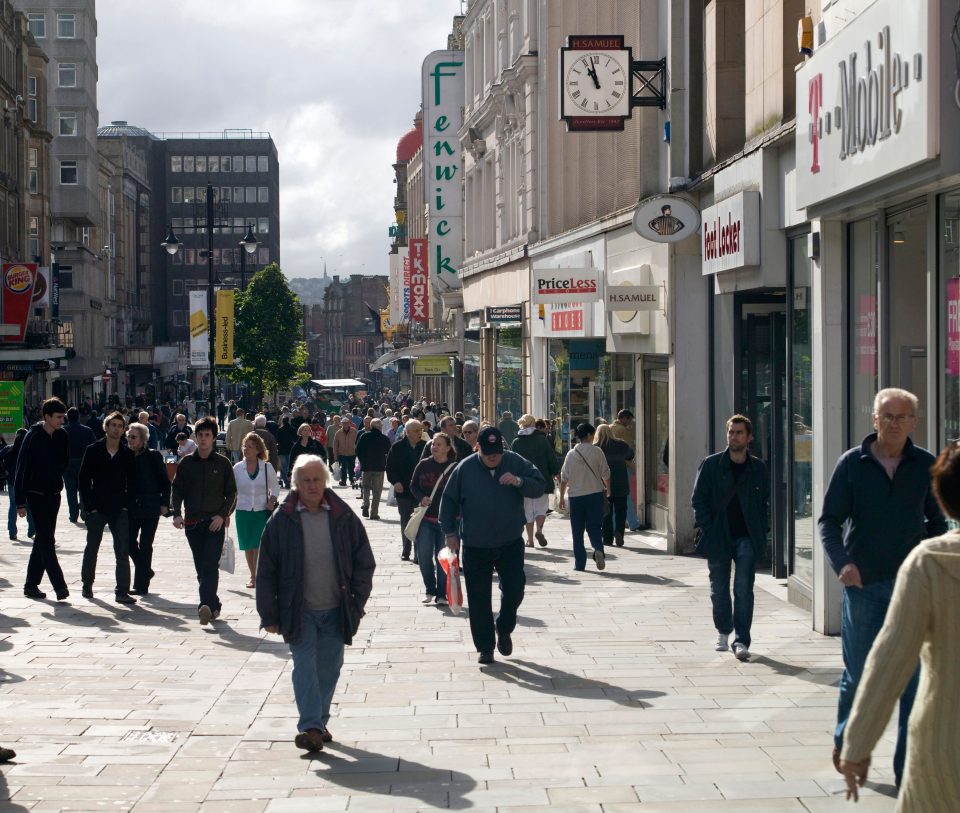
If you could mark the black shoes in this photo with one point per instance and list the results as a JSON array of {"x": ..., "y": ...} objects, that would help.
[
  {"x": 374, "y": 516},
  {"x": 619, "y": 540},
  {"x": 34, "y": 592},
  {"x": 485, "y": 657},
  {"x": 365, "y": 511},
  {"x": 125, "y": 598},
  {"x": 63, "y": 595},
  {"x": 504, "y": 644},
  {"x": 87, "y": 591},
  {"x": 137, "y": 591}
]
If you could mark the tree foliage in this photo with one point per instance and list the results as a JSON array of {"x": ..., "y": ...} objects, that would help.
[{"x": 269, "y": 333}]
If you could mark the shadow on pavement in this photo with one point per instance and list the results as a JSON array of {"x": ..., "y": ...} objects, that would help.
[
  {"x": 820, "y": 676},
  {"x": 526, "y": 621},
  {"x": 5, "y": 802},
  {"x": 133, "y": 614},
  {"x": 248, "y": 643},
  {"x": 882, "y": 788},
  {"x": 548, "y": 680},
  {"x": 433, "y": 787},
  {"x": 641, "y": 578},
  {"x": 536, "y": 575}
]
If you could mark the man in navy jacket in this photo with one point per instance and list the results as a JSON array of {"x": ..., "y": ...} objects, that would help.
[{"x": 482, "y": 507}]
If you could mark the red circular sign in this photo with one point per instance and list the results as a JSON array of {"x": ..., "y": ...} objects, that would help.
[{"x": 18, "y": 279}]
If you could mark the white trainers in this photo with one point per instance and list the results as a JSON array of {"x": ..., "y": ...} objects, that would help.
[
  {"x": 722, "y": 643},
  {"x": 427, "y": 599},
  {"x": 740, "y": 652}
]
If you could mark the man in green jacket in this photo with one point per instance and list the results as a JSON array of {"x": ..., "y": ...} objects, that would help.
[{"x": 730, "y": 503}]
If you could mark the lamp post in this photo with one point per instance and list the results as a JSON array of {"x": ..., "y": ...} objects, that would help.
[{"x": 248, "y": 245}]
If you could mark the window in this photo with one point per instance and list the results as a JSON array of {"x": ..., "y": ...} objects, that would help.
[
  {"x": 69, "y": 173},
  {"x": 216, "y": 256},
  {"x": 66, "y": 26},
  {"x": 238, "y": 194},
  {"x": 176, "y": 163},
  {"x": 66, "y": 276},
  {"x": 189, "y": 194},
  {"x": 67, "y": 74},
  {"x": 263, "y": 163},
  {"x": 225, "y": 196},
  {"x": 188, "y": 163},
  {"x": 213, "y": 163},
  {"x": 178, "y": 287},
  {"x": 33, "y": 181},
  {"x": 33, "y": 108},
  {"x": 238, "y": 163},
  {"x": 37, "y": 25},
  {"x": 263, "y": 255},
  {"x": 251, "y": 194},
  {"x": 263, "y": 225},
  {"x": 226, "y": 256},
  {"x": 35, "y": 249},
  {"x": 68, "y": 124},
  {"x": 176, "y": 194},
  {"x": 225, "y": 163},
  {"x": 201, "y": 163},
  {"x": 263, "y": 194},
  {"x": 178, "y": 317},
  {"x": 190, "y": 256},
  {"x": 239, "y": 225},
  {"x": 251, "y": 165},
  {"x": 34, "y": 226}
]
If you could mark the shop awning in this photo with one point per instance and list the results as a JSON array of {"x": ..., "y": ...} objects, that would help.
[
  {"x": 445, "y": 347},
  {"x": 337, "y": 383}
]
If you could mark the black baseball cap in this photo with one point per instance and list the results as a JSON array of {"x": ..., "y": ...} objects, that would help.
[{"x": 491, "y": 441}]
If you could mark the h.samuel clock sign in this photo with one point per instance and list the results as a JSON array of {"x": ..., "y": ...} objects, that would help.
[{"x": 867, "y": 101}]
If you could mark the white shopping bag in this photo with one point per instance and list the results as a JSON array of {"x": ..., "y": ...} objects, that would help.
[
  {"x": 450, "y": 562},
  {"x": 391, "y": 497},
  {"x": 228, "y": 558}
]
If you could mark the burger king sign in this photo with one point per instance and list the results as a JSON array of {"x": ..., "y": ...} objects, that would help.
[{"x": 18, "y": 282}]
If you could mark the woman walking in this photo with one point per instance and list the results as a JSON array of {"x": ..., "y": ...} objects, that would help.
[
  {"x": 426, "y": 487},
  {"x": 586, "y": 475},
  {"x": 305, "y": 445},
  {"x": 286, "y": 437},
  {"x": 151, "y": 500},
  {"x": 618, "y": 454},
  {"x": 534, "y": 445},
  {"x": 257, "y": 490}
]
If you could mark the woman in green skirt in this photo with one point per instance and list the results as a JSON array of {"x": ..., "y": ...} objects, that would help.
[{"x": 257, "y": 492}]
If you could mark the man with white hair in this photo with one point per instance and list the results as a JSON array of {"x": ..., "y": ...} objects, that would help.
[
  {"x": 314, "y": 576},
  {"x": 154, "y": 438},
  {"x": 269, "y": 440}
]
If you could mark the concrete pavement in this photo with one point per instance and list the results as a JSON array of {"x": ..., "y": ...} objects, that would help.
[{"x": 614, "y": 699}]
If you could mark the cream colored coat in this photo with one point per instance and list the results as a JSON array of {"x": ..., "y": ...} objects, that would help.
[{"x": 923, "y": 620}]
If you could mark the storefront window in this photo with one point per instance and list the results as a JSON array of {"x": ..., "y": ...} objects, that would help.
[
  {"x": 863, "y": 317},
  {"x": 950, "y": 318},
  {"x": 801, "y": 406},
  {"x": 616, "y": 386},
  {"x": 509, "y": 371},
  {"x": 558, "y": 362}
]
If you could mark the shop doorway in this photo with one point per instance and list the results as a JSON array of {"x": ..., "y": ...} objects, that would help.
[
  {"x": 762, "y": 397},
  {"x": 656, "y": 436}
]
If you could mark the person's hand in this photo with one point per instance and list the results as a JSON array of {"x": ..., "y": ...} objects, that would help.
[
  {"x": 850, "y": 576},
  {"x": 398, "y": 488},
  {"x": 164, "y": 510},
  {"x": 855, "y": 775},
  {"x": 273, "y": 628},
  {"x": 178, "y": 522},
  {"x": 216, "y": 523},
  {"x": 425, "y": 502},
  {"x": 562, "y": 505},
  {"x": 21, "y": 512},
  {"x": 509, "y": 479},
  {"x": 453, "y": 542}
]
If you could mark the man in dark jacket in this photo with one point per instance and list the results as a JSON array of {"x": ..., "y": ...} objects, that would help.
[
  {"x": 12, "y": 456},
  {"x": 401, "y": 461},
  {"x": 482, "y": 507},
  {"x": 38, "y": 482},
  {"x": 448, "y": 425},
  {"x": 204, "y": 487},
  {"x": 878, "y": 507},
  {"x": 179, "y": 425},
  {"x": 314, "y": 576},
  {"x": 372, "y": 449},
  {"x": 80, "y": 438},
  {"x": 731, "y": 498},
  {"x": 269, "y": 440},
  {"x": 108, "y": 485}
]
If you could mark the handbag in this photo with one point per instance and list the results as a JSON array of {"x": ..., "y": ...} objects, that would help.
[
  {"x": 606, "y": 501},
  {"x": 413, "y": 524},
  {"x": 271, "y": 500}
]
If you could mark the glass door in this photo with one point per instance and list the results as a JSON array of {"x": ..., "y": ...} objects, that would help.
[{"x": 656, "y": 431}]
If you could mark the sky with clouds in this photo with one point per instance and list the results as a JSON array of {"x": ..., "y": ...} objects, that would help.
[{"x": 335, "y": 82}]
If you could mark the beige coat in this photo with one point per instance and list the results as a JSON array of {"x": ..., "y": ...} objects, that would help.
[
  {"x": 923, "y": 621},
  {"x": 237, "y": 430}
]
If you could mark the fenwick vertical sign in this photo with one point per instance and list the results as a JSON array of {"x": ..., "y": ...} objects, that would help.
[
  {"x": 419, "y": 283},
  {"x": 443, "y": 94}
]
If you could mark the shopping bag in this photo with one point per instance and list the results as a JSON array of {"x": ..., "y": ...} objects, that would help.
[
  {"x": 391, "y": 496},
  {"x": 412, "y": 527},
  {"x": 228, "y": 557},
  {"x": 450, "y": 562}
]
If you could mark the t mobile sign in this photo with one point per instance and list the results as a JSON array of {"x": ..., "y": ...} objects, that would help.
[{"x": 419, "y": 284}]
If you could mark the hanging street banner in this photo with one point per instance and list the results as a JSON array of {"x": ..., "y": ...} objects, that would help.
[
  {"x": 443, "y": 94},
  {"x": 419, "y": 282},
  {"x": 11, "y": 406},
  {"x": 224, "y": 335},
  {"x": 199, "y": 329},
  {"x": 405, "y": 288},
  {"x": 18, "y": 282},
  {"x": 396, "y": 271}
]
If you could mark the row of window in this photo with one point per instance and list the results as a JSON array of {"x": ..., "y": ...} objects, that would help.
[
  {"x": 218, "y": 163},
  {"x": 66, "y": 25},
  {"x": 224, "y": 194},
  {"x": 221, "y": 256},
  {"x": 236, "y": 225}
]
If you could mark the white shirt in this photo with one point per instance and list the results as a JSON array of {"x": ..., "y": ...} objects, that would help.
[{"x": 252, "y": 494}]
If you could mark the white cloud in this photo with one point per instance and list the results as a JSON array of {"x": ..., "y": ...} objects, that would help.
[{"x": 335, "y": 82}]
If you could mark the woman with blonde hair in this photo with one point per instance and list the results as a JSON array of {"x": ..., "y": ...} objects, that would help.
[
  {"x": 257, "y": 490},
  {"x": 618, "y": 454},
  {"x": 535, "y": 447}
]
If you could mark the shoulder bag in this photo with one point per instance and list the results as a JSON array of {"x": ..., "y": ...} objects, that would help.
[
  {"x": 413, "y": 524},
  {"x": 271, "y": 499},
  {"x": 606, "y": 502}
]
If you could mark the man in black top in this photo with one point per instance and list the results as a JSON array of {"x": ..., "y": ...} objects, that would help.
[
  {"x": 401, "y": 461},
  {"x": 80, "y": 436},
  {"x": 372, "y": 449},
  {"x": 38, "y": 482},
  {"x": 448, "y": 426},
  {"x": 108, "y": 485}
]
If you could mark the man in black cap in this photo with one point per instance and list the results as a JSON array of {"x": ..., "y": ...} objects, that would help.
[{"x": 482, "y": 506}]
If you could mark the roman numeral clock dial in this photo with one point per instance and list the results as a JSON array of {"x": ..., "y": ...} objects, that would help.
[{"x": 595, "y": 82}]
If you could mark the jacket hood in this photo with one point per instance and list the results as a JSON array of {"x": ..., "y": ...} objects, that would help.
[
  {"x": 945, "y": 551},
  {"x": 528, "y": 431}
]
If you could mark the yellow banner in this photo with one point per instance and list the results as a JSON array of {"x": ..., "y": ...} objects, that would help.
[{"x": 224, "y": 337}]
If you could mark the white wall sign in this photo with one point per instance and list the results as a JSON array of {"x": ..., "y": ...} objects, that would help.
[
  {"x": 666, "y": 219},
  {"x": 567, "y": 285},
  {"x": 443, "y": 94},
  {"x": 730, "y": 237},
  {"x": 867, "y": 101},
  {"x": 627, "y": 298}
]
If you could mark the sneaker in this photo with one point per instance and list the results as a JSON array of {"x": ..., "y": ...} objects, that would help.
[
  {"x": 87, "y": 591},
  {"x": 310, "y": 740},
  {"x": 599, "y": 559},
  {"x": 125, "y": 598},
  {"x": 34, "y": 592},
  {"x": 740, "y": 651},
  {"x": 723, "y": 642},
  {"x": 204, "y": 614},
  {"x": 504, "y": 644},
  {"x": 427, "y": 599},
  {"x": 442, "y": 601},
  {"x": 541, "y": 539},
  {"x": 485, "y": 657}
]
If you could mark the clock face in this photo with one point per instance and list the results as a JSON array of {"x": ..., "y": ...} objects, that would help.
[{"x": 596, "y": 83}]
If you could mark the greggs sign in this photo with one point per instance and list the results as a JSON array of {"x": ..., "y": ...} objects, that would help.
[
  {"x": 867, "y": 101},
  {"x": 566, "y": 285},
  {"x": 419, "y": 284}
]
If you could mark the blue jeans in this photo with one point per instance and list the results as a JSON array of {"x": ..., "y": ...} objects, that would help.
[
  {"x": 864, "y": 610},
  {"x": 739, "y": 617},
  {"x": 12, "y": 512},
  {"x": 284, "y": 473},
  {"x": 317, "y": 659},
  {"x": 586, "y": 513},
  {"x": 429, "y": 543}
]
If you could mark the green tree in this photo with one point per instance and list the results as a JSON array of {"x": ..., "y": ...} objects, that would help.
[{"x": 269, "y": 334}]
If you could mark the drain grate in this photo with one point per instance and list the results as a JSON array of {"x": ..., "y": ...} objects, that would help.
[{"x": 151, "y": 737}]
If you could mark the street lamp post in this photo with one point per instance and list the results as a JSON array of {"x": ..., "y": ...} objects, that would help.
[{"x": 249, "y": 243}]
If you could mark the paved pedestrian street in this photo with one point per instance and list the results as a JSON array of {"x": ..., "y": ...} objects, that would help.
[{"x": 614, "y": 699}]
